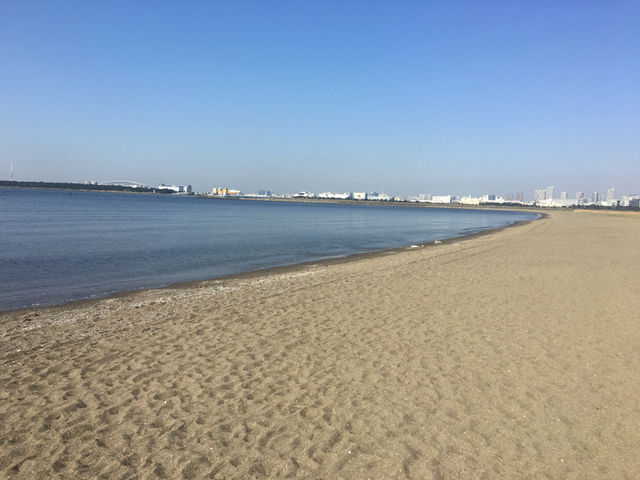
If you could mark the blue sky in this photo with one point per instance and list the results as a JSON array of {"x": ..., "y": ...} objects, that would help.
[{"x": 405, "y": 97}]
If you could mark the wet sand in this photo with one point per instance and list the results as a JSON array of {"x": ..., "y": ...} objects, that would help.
[{"x": 510, "y": 355}]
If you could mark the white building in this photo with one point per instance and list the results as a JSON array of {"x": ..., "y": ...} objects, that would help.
[
  {"x": 539, "y": 195},
  {"x": 469, "y": 200},
  {"x": 557, "y": 202},
  {"x": 627, "y": 200},
  {"x": 381, "y": 197},
  {"x": 492, "y": 199},
  {"x": 176, "y": 188},
  {"x": 550, "y": 193},
  {"x": 338, "y": 196},
  {"x": 440, "y": 198},
  {"x": 359, "y": 195}
]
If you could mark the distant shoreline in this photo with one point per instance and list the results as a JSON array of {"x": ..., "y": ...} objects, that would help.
[
  {"x": 82, "y": 187},
  {"x": 455, "y": 206},
  {"x": 382, "y": 203},
  {"x": 405, "y": 203}
]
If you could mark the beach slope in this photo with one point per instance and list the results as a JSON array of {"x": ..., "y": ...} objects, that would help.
[{"x": 509, "y": 355}]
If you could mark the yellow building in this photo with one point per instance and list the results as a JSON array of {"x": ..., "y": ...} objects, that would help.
[{"x": 224, "y": 191}]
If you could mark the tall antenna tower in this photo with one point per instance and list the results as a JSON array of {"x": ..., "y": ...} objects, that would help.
[{"x": 11, "y": 172}]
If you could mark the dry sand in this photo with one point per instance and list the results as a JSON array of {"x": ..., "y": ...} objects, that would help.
[{"x": 510, "y": 355}]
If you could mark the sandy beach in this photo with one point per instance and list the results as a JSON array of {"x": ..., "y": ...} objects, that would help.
[{"x": 509, "y": 355}]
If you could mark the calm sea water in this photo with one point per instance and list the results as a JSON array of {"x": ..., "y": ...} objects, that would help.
[{"x": 57, "y": 246}]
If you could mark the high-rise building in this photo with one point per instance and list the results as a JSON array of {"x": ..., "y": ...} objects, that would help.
[
  {"x": 509, "y": 197},
  {"x": 563, "y": 195},
  {"x": 550, "y": 193},
  {"x": 579, "y": 195},
  {"x": 539, "y": 195},
  {"x": 595, "y": 197},
  {"x": 519, "y": 196},
  {"x": 611, "y": 194}
]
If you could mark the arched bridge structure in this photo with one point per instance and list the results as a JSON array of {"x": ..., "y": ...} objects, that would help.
[{"x": 126, "y": 183}]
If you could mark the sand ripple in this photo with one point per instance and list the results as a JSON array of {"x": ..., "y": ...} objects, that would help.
[{"x": 513, "y": 355}]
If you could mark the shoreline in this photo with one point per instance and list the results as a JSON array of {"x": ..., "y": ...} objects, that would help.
[
  {"x": 90, "y": 190},
  {"x": 511, "y": 354},
  {"x": 380, "y": 203},
  {"x": 72, "y": 311},
  {"x": 269, "y": 270},
  {"x": 295, "y": 267},
  {"x": 329, "y": 201}
]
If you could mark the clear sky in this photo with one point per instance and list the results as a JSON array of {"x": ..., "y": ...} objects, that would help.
[{"x": 404, "y": 97}]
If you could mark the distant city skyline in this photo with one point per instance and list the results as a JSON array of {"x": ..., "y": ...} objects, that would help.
[
  {"x": 405, "y": 98},
  {"x": 548, "y": 192}
]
